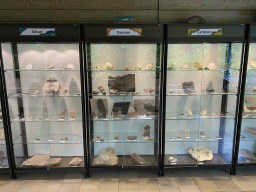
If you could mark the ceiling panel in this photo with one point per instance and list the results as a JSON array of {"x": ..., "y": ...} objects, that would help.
[
  {"x": 209, "y": 4},
  {"x": 218, "y": 16},
  {"x": 79, "y": 4},
  {"x": 76, "y": 15}
]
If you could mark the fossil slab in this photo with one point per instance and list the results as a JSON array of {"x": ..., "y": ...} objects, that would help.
[
  {"x": 246, "y": 154},
  {"x": 52, "y": 85},
  {"x": 62, "y": 114},
  {"x": 201, "y": 153},
  {"x": 131, "y": 112},
  {"x": 138, "y": 159},
  {"x": 188, "y": 87},
  {"x": 143, "y": 106},
  {"x": 252, "y": 130},
  {"x": 76, "y": 161},
  {"x": 146, "y": 131},
  {"x": 124, "y": 83},
  {"x": 72, "y": 114},
  {"x": 37, "y": 160},
  {"x": 106, "y": 157},
  {"x": 53, "y": 162},
  {"x": 99, "y": 107}
]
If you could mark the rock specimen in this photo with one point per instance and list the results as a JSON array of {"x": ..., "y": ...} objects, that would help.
[
  {"x": 116, "y": 112},
  {"x": 108, "y": 66},
  {"x": 212, "y": 66},
  {"x": 202, "y": 133},
  {"x": 204, "y": 112},
  {"x": 184, "y": 67},
  {"x": 201, "y": 153},
  {"x": 63, "y": 91},
  {"x": 172, "y": 67},
  {"x": 113, "y": 91},
  {"x": 254, "y": 90},
  {"x": 138, "y": 159},
  {"x": 37, "y": 139},
  {"x": 35, "y": 92},
  {"x": 123, "y": 106},
  {"x": 210, "y": 90},
  {"x": 29, "y": 66},
  {"x": 150, "y": 67},
  {"x": 62, "y": 114},
  {"x": 131, "y": 112},
  {"x": 52, "y": 85},
  {"x": 143, "y": 106},
  {"x": 124, "y": 83},
  {"x": 150, "y": 138},
  {"x": 95, "y": 92},
  {"x": 127, "y": 69},
  {"x": 186, "y": 133},
  {"x": 198, "y": 65},
  {"x": 37, "y": 160},
  {"x": 49, "y": 66},
  {"x": 38, "y": 118},
  {"x": 102, "y": 90},
  {"x": 132, "y": 138},
  {"x": 98, "y": 138},
  {"x": 106, "y": 157},
  {"x": 70, "y": 66},
  {"x": 246, "y": 154},
  {"x": 96, "y": 67},
  {"x": 53, "y": 162},
  {"x": 252, "y": 63},
  {"x": 172, "y": 159},
  {"x": 190, "y": 113},
  {"x": 116, "y": 137},
  {"x": 76, "y": 161},
  {"x": 252, "y": 130},
  {"x": 138, "y": 67},
  {"x": 178, "y": 137},
  {"x": 181, "y": 114},
  {"x": 99, "y": 107},
  {"x": 72, "y": 114},
  {"x": 64, "y": 139},
  {"x": 173, "y": 116},
  {"x": 188, "y": 87},
  {"x": 149, "y": 90},
  {"x": 146, "y": 131}
]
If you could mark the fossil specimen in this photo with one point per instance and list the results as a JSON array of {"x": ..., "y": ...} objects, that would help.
[
  {"x": 113, "y": 91},
  {"x": 150, "y": 67},
  {"x": 106, "y": 157},
  {"x": 95, "y": 92},
  {"x": 116, "y": 137},
  {"x": 35, "y": 92},
  {"x": 138, "y": 159},
  {"x": 203, "y": 113},
  {"x": 198, "y": 65},
  {"x": 150, "y": 138},
  {"x": 108, "y": 66},
  {"x": 64, "y": 138},
  {"x": 70, "y": 66},
  {"x": 131, "y": 112},
  {"x": 186, "y": 133},
  {"x": 76, "y": 161},
  {"x": 212, "y": 66},
  {"x": 149, "y": 90},
  {"x": 252, "y": 130},
  {"x": 49, "y": 66},
  {"x": 202, "y": 133},
  {"x": 102, "y": 90},
  {"x": 29, "y": 66},
  {"x": 99, "y": 107},
  {"x": 63, "y": 91},
  {"x": 62, "y": 114},
  {"x": 127, "y": 69},
  {"x": 188, "y": 87},
  {"x": 96, "y": 67},
  {"x": 201, "y": 153},
  {"x": 190, "y": 113},
  {"x": 138, "y": 67},
  {"x": 172, "y": 159},
  {"x": 72, "y": 114},
  {"x": 98, "y": 138},
  {"x": 124, "y": 83},
  {"x": 146, "y": 131}
]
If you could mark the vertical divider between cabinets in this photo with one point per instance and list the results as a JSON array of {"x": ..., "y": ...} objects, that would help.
[
  {"x": 6, "y": 120},
  {"x": 83, "y": 89},
  {"x": 240, "y": 98},
  {"x": 224, "y": 100},
  {"x": 19, "y": 99},
  {"x": 163, "y": 92}
]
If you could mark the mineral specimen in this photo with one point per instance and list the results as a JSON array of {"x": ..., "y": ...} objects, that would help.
[
  {"x": 202, "y": 133},
  {"x": 116, "y": 137},
  {"x": 254, "y": 90},
  {"x": 99, "y": 106},
  {"x": 127, "y": 69},
  {"x": 150, "y": 67},
  {"x": 212, "y": 66},
  {"x": 49, "y": 66},
  {"x": 246, "y": 154},
  {"x": 132, "y": 138},
  {"x": 108, "y": 66},
  {"x": 124, "y": 83},
  {"x": 113, "y": 91},
  {"x": 203, "y": 113},
  {"x": 186, "y": 133},
  {"x": 63, "y": 91},
  {"x": 96, "y": 67},
  {"x": 149, "y": 90},
  {"x": 138, "y": 159},
  {"x": 62, "y": 114},
  {"x": 190, "y": 113},
  {"x": 198, "y": 65},
  {"x": 143, "y": 106},
  {"x": 102, "y": 90},
  {"x": 131, "y": 112},
  {"x": 35, "y": 92},
  {"x": 146, "y": 131},
  {"x": 172, "y": 160},
  {"x": 95, "y": 92},
  {"x": 201, "y": 153},
  {"x": 100, "y": 138},
  {"x": 188, "y": 87},
  {"x": 37, "y": 160},
  {"x": 76, "y": 161},
  {"x": 138, "y": 67},
  {"x": 64, "y": 139},
  {"x": 70, "y": 66},
  {"x": 252, "y": 130},
  {"x": 52, "y": 85},
  {"x": 72, "y": 114},
  {"x": 106, "y": 157}
]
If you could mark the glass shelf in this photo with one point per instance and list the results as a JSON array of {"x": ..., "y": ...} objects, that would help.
[
  {"x": 197, "y": 117},
  {"x": 125, "y": 118},
  {"x": 122, "y": 95},
  {"x": 49, "y": 118},
  {"x": 39, "y": 70},
  {"x": 200, "y": 94},
  {"x": 30, "y": 95},
  {"x": 197, "y": 70},
  {"x": 122, "y": 70}
]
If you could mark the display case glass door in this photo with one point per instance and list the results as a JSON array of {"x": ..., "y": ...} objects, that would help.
[
  {"x": 123, "y": 83},
  {"x": 201, "y": 93},
  {"x": 44, "y": 96}
]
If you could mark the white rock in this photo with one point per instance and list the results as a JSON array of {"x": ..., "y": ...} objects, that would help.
[
  {"x": 172, "y": 159},
  {"x": 70, "y": 66},
  {"x": 29, "y": 67},
  {"x": 212, "y": 66},
  {"x": 138, "y": 68},
  {"x": 252, "y": 63},
  {"x": 76, "y": 161},
  {"x": 201, "y": 153},
  {"x": 49, "y": 66}
]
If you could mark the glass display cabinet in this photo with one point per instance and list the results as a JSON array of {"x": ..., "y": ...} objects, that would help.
[
  {"x": 202, "y": 77},
  {"x": 247, "y": 144},
  {"x": 42, "y": 68},
  {"x": 123, "y": 73}
]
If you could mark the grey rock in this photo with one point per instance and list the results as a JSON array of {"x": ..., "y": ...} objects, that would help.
[
  {"x": 138, "y": 159},
  {"x": 76, "y": 161},
  {"x": 52, "y": 85},
  {"x": 124, "y": 83},
  {"x": 106, "y": 157},
  {"x": 102, "y": 90},
  {"x": 132, "y": 137},
  {"x": 188, "y": 87},
  {"x": 99, "y": 107},
  {"x": 143, "y": 106},
  {"x": 201, "y": 153},
  {"x": 196, "y": 19},
  {"x": 53, "y": 162},
  {"x": 37, "y": 160},
  {"x": 146, "y": 131},
  {"x": 246, "y": 154},
  {"x": 131, "y": 112}
]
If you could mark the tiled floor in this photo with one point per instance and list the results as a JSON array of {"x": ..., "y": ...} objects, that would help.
[{"x": 175, "y": 180}]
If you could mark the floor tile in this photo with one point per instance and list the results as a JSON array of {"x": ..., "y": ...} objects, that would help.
[
  {"x": 147, "y": 180},
  {"x": 128, "y": 185},
  {"x": 167, "y": 184},
  {"x": 34, "y": 182},
  {"x": 109, "y": 180},
  {"x": 29, "y": 188},
  {"x": 110, "y": 174},
  {"x": 248, "y": 171},
  {"x": 218, "y": 174},
  {"x": 226, "y": 185},
  {"x": 187, "y": 184},
  {"x": 206, "y": 185},
  {"x": 89, "y": 187},
  {"x": 146, "y": 174},
  {"x": 148, "y": 186},
  {"x": 244, "y": 184},
  {"x": 15, "y": 182},
  {"x": 108, "y": 186},
  {"x": 155, "y": 190},
  {"x": 167, "y": 190},
  {"x": 73, "y": 178},
  {"x": 128, "y": 174},
  {"x": 199, "y": 174},
  {"x": 10, "y": 187},
  {"x": 52, "y": 187},
  {"x": 181, "y": 173},
  {"x": 69, "y": 187}
]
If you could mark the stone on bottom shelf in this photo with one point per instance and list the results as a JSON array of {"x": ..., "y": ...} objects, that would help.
[
  {"x": 252, "y": 130},
  {"x": 53, "y": 161},
  {"x": 201, "y": 153},
  {"x": 246, "y": 154},
  {"x": 41, "y": 160},
  {"x": 138, "y": 159},
  {"x": 172, "y": 159},
  {"x": 76, "y": 161},
  {"x": 106, "y": 157}
]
